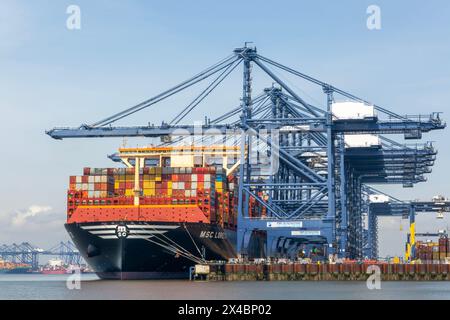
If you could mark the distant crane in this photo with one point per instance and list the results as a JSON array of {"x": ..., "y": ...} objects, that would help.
[{"x": 29, "y": 254}]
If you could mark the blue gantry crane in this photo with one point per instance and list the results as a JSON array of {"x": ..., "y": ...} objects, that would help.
[
  {"x": 316, "y": 185},
  {"x": 28, "y": 253}
]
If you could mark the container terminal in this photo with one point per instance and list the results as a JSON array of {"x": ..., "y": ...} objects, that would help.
[
  {"x": 276, "y": 188},
  {"x": 27, "y": 258}
]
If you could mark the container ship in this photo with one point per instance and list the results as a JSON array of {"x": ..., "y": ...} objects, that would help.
[
  {"x": 168, "y": 209},
  {"x": 14, "y": 268}
]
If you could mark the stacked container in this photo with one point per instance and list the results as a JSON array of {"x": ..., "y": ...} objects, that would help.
[
  {"x": 433, "y": 251},
  {"x": 209, "y": 188},
  {"x": 98, "y": 185}
]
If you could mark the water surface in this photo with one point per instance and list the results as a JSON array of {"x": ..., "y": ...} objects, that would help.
[{"x": 55, "y": 287}]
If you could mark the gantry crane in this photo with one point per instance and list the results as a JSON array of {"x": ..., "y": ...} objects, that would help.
[{"x": 314, "y": 182}]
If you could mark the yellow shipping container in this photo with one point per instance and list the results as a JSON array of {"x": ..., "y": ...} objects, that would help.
[
  {"x": 158, "y": 178},
  {"x": 169, "y": 192},
  {"x": 219, "y": 184},
  {"x": 149, "y": 192},
  {"x": 149, "y": 185},
  {"x": 169, "y": 184},
  {"x": 129, "y": 192}
]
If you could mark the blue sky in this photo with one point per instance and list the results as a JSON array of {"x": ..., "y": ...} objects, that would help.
[{"x": 127, "y": 51}]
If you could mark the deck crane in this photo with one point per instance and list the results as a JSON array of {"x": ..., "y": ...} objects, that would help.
[{"x": 315, "y": 191}]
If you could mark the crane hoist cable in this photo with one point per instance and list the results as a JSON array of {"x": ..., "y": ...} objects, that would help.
[
  {"x": 334, "y": 89},
  {"x": 206, "y": 92},
  {"x": 183, "y": 85}
]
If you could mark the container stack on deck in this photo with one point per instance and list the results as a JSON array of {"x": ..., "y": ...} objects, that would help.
[
  {"x": 94, "y": 183},
  {"x": 208, "y": 187}
]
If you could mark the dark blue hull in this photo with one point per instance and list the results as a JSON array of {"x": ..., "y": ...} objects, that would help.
[{"x": 150, "y": 250}]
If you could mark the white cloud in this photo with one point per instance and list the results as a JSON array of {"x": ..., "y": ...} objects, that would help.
[
  {"x": 38, "y": 224},
  {"x": 20, "y": 218}
]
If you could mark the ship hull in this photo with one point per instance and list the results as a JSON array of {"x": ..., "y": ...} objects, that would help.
[
  {"x": 150, "y": 250},
  {"x": 16, "y": 271}
]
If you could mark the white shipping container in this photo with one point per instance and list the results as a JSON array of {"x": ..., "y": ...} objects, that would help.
[
  {"x": 194, "y": 185},
  {"x": 78, "y": 179},
  {"x": 175, "y": 185},
  {"x": 352, "y": 110},
  {"x": 85, "y": 187},
  {"x": 91, "y": 179},
  {"x": 187, "y": 193},
  {"x": 193, "y": 193},
  {"x": 194, "y": 177},
  {"x": 361, "y": 140},
  {"x": 201, "y": 269},
  {"x": 207, "y": 185},
  {"x": 378, "y": 198},
  {"x": 207, "y": 178},
  {"x": 103, "y": 179},
  {"x": 97, "y": 179},
  {"x": 181, "y": 185}
]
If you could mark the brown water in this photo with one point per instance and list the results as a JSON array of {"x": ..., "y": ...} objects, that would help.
[{"x": 55, "y": 287}]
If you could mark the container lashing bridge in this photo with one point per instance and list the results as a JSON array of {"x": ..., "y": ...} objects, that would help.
[{"x": 319, "y": 192}]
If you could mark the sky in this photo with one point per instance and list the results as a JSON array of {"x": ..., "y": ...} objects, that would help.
[{"x": 128, "y": 51}]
